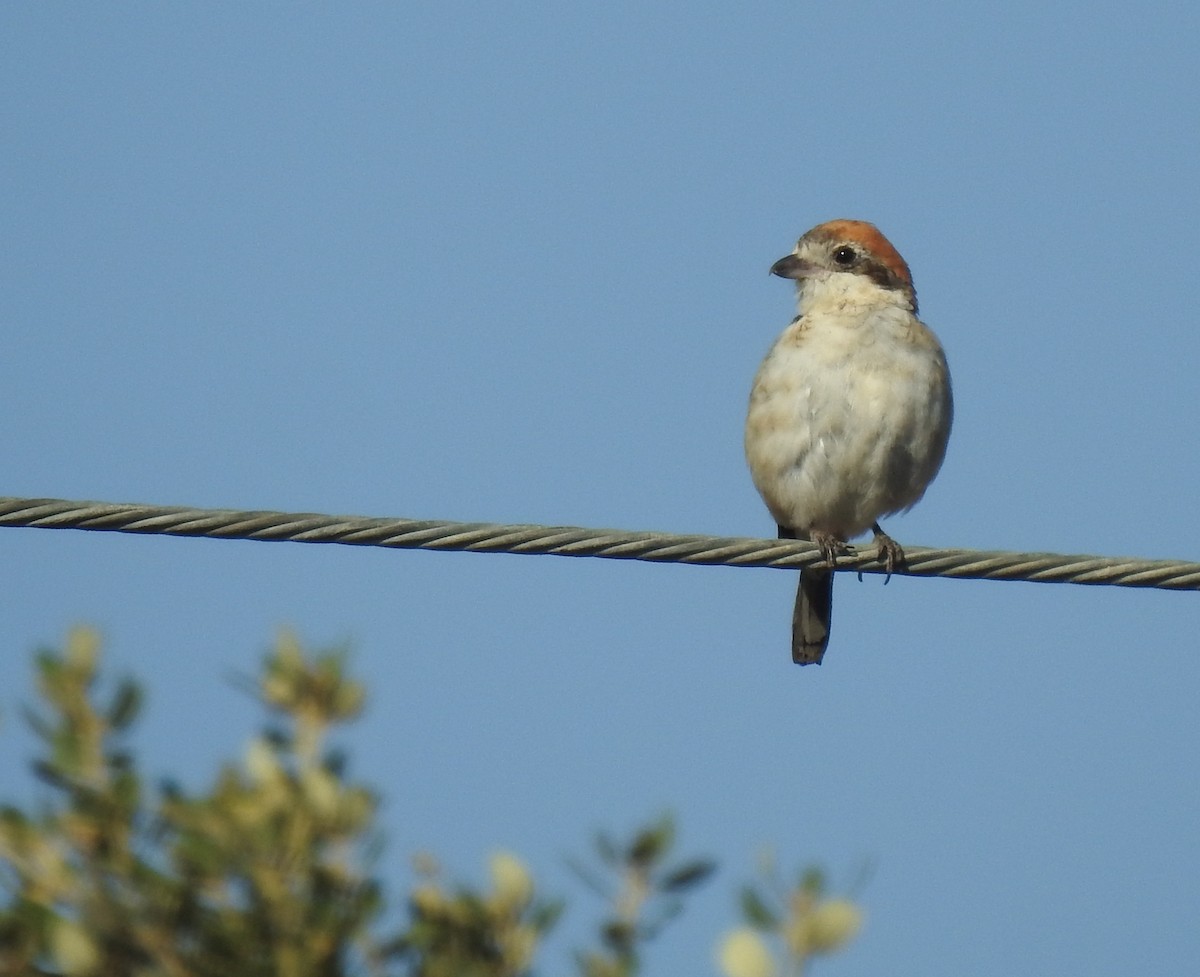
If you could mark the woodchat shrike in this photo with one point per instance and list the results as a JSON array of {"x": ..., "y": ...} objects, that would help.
[{"x": 850, "y": 411}]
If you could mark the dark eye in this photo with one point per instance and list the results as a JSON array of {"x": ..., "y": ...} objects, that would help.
[{"x": 845, "y": 256}]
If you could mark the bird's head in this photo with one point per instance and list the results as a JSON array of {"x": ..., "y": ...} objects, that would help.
[{"x": 848, "y": 263}]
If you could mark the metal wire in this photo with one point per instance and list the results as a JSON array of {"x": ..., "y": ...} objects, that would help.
[{"x": 728, "y": 551}]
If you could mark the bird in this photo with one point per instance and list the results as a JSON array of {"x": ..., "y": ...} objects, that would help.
[{"x": 850, "y": 411}]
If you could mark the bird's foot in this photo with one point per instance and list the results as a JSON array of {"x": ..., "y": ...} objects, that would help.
[
  {"x": 890, "y": 553},
  {"x": 830, "y": 546}
]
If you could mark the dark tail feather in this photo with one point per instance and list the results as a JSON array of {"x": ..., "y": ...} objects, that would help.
[{"x": 810, "y": 620}]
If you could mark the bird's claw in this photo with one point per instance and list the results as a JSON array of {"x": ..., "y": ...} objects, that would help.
[
  {"x": 830, "y": 546},
  {"x": 891, "y": 555}
]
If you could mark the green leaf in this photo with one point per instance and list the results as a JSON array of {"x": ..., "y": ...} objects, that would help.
[
  {"x": 41, "y": 728},
  {"x": 126, "y": 705},
  {"x": 756, "y": 911},
  {"x": 49, "y": 665},
  {"x": 812, "y": 880},
  {"x": 13, "y": 819},
  {"x": 607, "y": 849},
  {"x": 652, "y": 843},
  {"x": 619, "y": 936},
  {"x": 590, "y": 879},
  {"x": 546, "y": 914},
  {"x": 336, "y": 762},
  {"x": 277, "y": 737},
  {"x": 688, "y": 875},
  {"x": 51, "y": 775}
]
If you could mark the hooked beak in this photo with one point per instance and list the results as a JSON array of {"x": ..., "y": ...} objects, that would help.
[{"x": 793, "y": 267}]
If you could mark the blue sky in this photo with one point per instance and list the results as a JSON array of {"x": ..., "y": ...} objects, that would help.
[{"x": 508, "y": 262}]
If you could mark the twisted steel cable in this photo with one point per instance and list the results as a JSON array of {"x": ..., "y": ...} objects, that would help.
[{"x": 731, "y": 551}]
